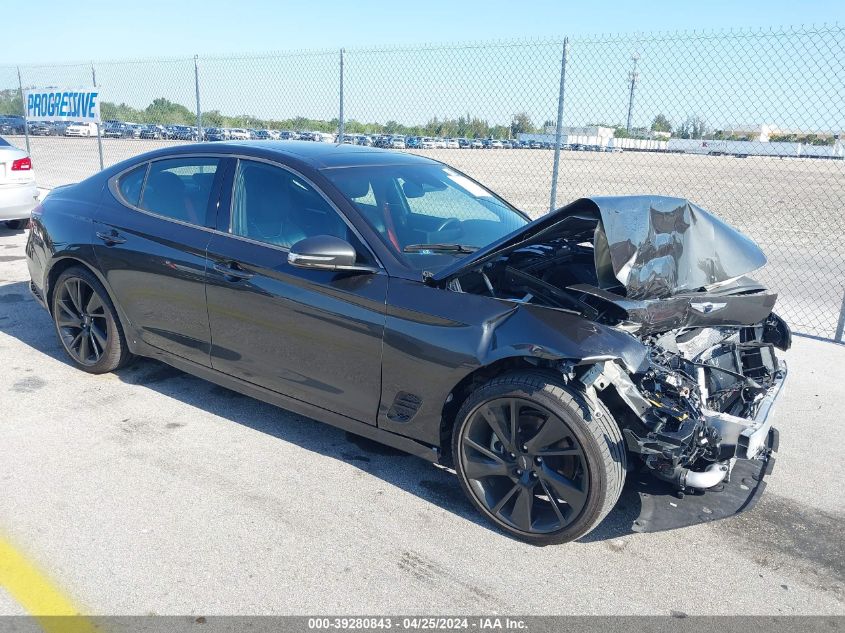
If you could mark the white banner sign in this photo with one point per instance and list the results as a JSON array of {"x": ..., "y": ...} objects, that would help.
[{"x": 59, "y": 104}]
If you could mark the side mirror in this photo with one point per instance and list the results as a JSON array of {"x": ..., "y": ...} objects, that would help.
[{"x": 324, "y": 252}]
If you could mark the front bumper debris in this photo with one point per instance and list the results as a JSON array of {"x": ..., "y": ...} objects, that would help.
[
  {"x": 750, "y": 436},
  {"x": 662, "y": 507}
]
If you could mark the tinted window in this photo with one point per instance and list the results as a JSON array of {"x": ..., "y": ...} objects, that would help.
[
  {"x": 414, "y": 205},
  {"x": 179, "y": 188},
  {"x": 273, "y": 205},
  {"x": 130, "y": 184}
]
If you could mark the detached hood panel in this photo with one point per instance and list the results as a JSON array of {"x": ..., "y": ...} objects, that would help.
[{"x": 652, "y": 246}]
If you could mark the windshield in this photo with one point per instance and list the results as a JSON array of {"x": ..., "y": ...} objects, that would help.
[{"x": 430, "y": 214}]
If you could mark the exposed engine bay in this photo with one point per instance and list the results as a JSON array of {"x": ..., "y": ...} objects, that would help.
[{"x": 673, "y": 276}]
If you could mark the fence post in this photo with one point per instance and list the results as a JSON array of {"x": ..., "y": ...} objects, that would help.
[
  {"x": 840, "y": 325},
  {"x": 99, "y": 124},
  {"x": 197, "y": 88},
  {"x": 340, "y": 114},
  {"x": 633, "y": 87},
  {"x": 559, "y": 128},
  {"x": 23, "y": 105}
]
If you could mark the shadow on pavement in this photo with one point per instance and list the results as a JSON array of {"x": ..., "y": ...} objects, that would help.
[{"x": 24, "y": 319}]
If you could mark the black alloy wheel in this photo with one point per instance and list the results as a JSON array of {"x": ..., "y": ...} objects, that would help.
[
  {"x": 525, "y": 464},
  {"x": 537, "y": 459},
  {"x": 81, "y": 320},
  {"x": 87, "y": 324}
]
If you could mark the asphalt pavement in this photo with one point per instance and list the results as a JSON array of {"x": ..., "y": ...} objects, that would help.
[{"x": 148, "y": 491}]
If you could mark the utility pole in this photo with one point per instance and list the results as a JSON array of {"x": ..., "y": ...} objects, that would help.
[
  {"x": 633, "y": 81},
  {"x": 559, "y": 127}
]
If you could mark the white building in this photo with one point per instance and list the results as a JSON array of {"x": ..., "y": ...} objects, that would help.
[{"x": 586, "y": 135}]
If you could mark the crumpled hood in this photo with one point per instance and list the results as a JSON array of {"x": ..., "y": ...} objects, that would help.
[
  {"x": 654, "y": 246},
  {"x": 657, "y": 246}
]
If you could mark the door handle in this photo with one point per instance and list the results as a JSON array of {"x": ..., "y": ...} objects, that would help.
[
  {"x": 233, "y": 271},
  {"x": 111, "y": 238}
]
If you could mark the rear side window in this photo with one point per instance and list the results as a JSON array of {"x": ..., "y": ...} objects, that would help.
[
  {"x": 130, "y": 184},
  {"x": 180, "y": 188}
]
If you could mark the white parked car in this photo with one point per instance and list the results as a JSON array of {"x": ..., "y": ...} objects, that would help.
[
  {"x": 428, "y": 143},
  {"x": 18, "y": 193},
  {"x": 397, "y": 142},
  {"x": 238, "y": 134},
  {"x": 452, "y": 143},
  {"x": 81, "y": 129}
]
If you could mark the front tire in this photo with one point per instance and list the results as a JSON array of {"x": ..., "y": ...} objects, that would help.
[
  {"x": 16, "y": 225},
  {"x": 537, "y": 459},
  {"x": 87, "y": 324}
]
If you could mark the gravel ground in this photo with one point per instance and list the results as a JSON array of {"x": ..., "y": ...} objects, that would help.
[
  {"x": 791, "y": 207},
  {"x": 150, "y": 491}
]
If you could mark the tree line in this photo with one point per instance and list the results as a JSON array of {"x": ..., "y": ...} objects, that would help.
[{"x": 165, "y": 112}]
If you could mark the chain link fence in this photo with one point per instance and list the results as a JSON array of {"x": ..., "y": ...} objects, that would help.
[{"x": 747, "y": 124}]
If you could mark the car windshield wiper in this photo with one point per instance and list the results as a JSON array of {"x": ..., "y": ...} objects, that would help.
[{"x": 444, "y": 248}]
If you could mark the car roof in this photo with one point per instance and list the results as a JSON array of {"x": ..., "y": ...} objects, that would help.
[{"x": 325, "y": 155}]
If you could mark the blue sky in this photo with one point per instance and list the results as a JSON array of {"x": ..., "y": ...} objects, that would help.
[
  {"x": 57, "y": 31},
  {"x": 789, "y": 80}
]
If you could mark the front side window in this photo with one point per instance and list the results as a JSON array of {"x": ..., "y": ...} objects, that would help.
[
  {"x": 180, "y": 188},
  {"x": 274, "y": 205},
  {"x": 428, "y": 213}
]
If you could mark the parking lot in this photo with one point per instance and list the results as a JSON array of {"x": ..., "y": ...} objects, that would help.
[
  {"x": 149, "y": 491},
  {"x": 791, "y": 207}
]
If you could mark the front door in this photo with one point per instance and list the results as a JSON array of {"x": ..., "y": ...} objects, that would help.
[{"x": 308, "y": 334}]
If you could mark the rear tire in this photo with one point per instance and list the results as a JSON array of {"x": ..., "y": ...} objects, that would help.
[
  {"x": 87, "y": 323},
  {"x": 17, "y": 225},
  {"x": 537, "y": 458}
]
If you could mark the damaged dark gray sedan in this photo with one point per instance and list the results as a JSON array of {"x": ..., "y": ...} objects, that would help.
[{"x": 395, "y": 297}]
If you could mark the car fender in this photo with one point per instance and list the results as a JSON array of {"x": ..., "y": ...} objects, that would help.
[{"x": 435, "y": 340}]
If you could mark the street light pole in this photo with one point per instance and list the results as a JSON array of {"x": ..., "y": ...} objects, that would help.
[{"x": 633, "y": 81}]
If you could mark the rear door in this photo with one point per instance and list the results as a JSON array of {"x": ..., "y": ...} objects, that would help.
[
  {"x": 312, "y": 335},
  {"x": 151, "y": 236}
]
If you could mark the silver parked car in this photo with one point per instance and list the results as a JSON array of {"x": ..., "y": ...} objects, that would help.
[{"x": 18, "y": 193}]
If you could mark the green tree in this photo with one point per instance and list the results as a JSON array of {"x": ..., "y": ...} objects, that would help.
[
  {"x": 522, "y": 124},
  {"x": 10, "y": 102},
  {"x": 693, "y": 127},
  {"x": 661, "y": 124}
]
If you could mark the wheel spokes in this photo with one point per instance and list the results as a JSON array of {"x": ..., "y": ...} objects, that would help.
[
  {"x": 553, "y": 502},
  {"x": 481, "y": 468},
  {"x": 70, "y": 310},
  {"x": 82, "y": 321},
  {"x": 67, "y": 319},
  {"x": 84, "y": 346},
  {"x": 518, "y": 456},
  {"x": 99, "y": 336},
  {"x": 74, "y": 291},
  {"x": 76, "y": 342},
  {"x": 500, "y": 423},
  {"x": 505, "y": 498},
  {"x": 564, "y": 488},
  {"x": 481, "y": 449},
  {"x": 550, "y": 432},
  {"x": 523, "y": 508},
  {"x": 94, "y": 306}
]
